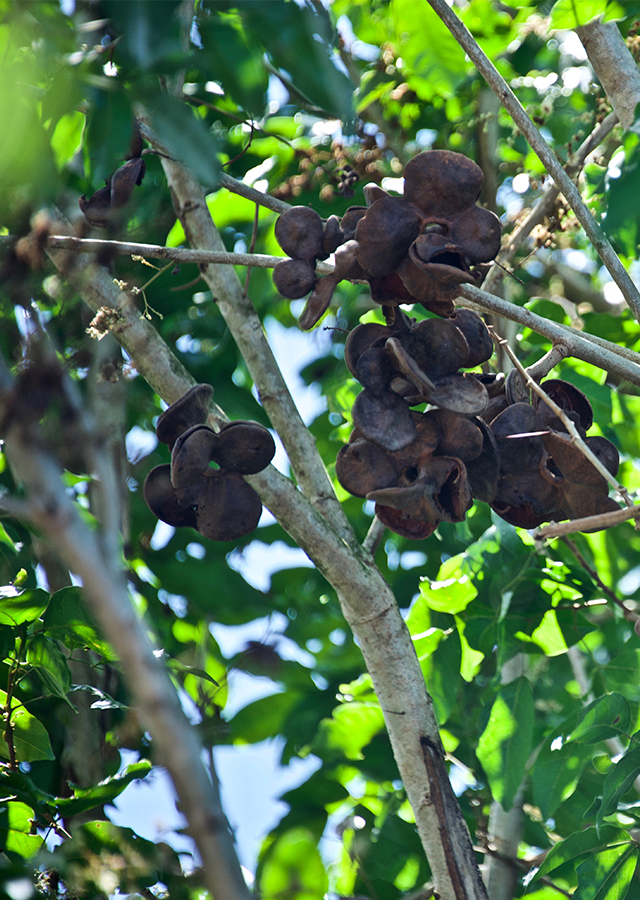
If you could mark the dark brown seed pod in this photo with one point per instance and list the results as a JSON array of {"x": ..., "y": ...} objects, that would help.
[
  {"x": 97, "y": 209},
  {"x": 333, "y": 236},
  {"x": 477, "y": 232},
  {"x": 441, "y": 183},
  {"x": 438, "y": 346},
  {"x": 606, "y": 452},
  {"x": 361, "y": 339},
  {"x": 160, "y": 497},
  {"x": 384, "y": 418},
  {"x": 294, "y": 278},
  {"x": 300, "y": 231},
  {"x": 191, "y": 409},
  {"x": 318, "y": 303},
  {"x": 362, "y": 467},
  {"x": 374, "y": 369},
  {"x": 227, "y": 507},
  {"x": 385, "y": 234},
  {"x": 191, "y": 455},
  {"x": 124, "y": 180},
  {"x": 244, "y": 447},
  {"x": 462, "y": 394},
  {"x": 350, "y": 220},
  {"x": 459, "y": 436},
  {"x": 569, "y": 398},
  {"x": 484, "y": 469},
  {"x": 477, "y": 336}
]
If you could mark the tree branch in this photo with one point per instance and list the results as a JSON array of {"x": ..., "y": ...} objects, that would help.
[
  {"x": 544, "y": 152},
  {"x": 367, "y": 601},
  {"x": 51, "y": 511},
  {"x": 615, "y": 67},
  {"x": 604, "y": 354}
]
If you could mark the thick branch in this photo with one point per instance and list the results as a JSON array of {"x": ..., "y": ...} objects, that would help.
[
  {"x": 51, "y": 511},
  {"x": 367, "y": 601},
  {"x": 543, "y": 151},
  {"x": 615, "y": 67}
]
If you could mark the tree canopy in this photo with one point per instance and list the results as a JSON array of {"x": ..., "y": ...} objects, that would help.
[{"x": 465, "y": 675}]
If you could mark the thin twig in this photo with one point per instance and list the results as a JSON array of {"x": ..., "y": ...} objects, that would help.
[
  {"x": 543, "y": 151},
  {"x": 587, "y": 523},
  {"x": 597, "y": 351},
  {"x": 628, "y": 613},
  {"x": 177, "y": 254},
  {"x": 564, "y": 418},
  {"x": 374, "y": 536}
]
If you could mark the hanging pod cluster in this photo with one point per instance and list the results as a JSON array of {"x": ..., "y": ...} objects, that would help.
[
  {"x": 543, "y": 474},
  {"x": 190, "y": 491},
  {"x": 417, "y": 248},
  {"x": 483, "y": 438},
  {"x": 420, "y": 468}
]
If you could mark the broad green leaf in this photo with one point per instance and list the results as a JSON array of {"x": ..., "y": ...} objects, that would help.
[
  {"x": 623, "y": 671},
  {"x": 452, "y": 591},
  {"x": 185, "y": 136},
  {"x": 350, "y": 729},
  {"x": 576, "y": 848},
  {"x": 439, "y": 62},
  {"x": 26, "y": 607},
  {"x": 505, "y": 744},
  {"x": 51, "y": 664},
  {"x": 619, "y": 780},
  {"x": 556, "y": 772},
  {"x": 294, "y": 867},
  {"x": 604, "y": 718},
  {"x": 16, "y": 819},
  {"x": 235, "y": 62},
  {"x": 441, "y": 671},
  {"x": 67, "y": 620},
  {"x": 88, "y": 798},
  {"x": 263, "y": 718},
  {"x": 574, "y": 13},
  {"x": 606, "y": 875},
  {"x": 30, "y": 737}
]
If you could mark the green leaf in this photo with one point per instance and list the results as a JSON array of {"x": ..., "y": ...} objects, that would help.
[
  {"x": 622, "y": 673},
  {"x": 107, "y": 135},
  {"x": 26, "y": 607},
  {"x": 452, "y": 591},
  {"x": 505, "y": 744},
  {"x": 67, "y": 620},
  {"x": 556, "y": 773},
  {"x": 441, "y": 671},
  {"x": 294, "y": 867},
  {"x": 619, "y": 780},
  {"x": 88, "y": 798},
  {"x": 176, "y": 666},
  {"x": 30, "y": 737},
  {"x": 607, "y": 875},
  {"x": 185, "y": 136},
  {"x": 574, "y": 13},
  {"x": 16, "y": 820},
  {"x": 351, "y": 727},
  {"x": 263, "y": 718},
  {"x": 51, "y": 664},
  {"x": 568, "y": 853},
  {"x": 234, "y": 61},
  {"x": 604, "y": 718}
]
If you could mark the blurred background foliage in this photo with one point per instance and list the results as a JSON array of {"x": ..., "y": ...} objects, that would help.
[{"x": 310, "y": 101}]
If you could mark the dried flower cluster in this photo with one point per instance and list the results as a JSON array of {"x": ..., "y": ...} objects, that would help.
[
  {"x": 217, "y": 502},
  {"x": 417, "y": 248}
]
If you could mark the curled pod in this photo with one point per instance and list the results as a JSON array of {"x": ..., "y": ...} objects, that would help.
[
  {"x": 191, "y": 455},
  {"x": 300, "y": 231},
  {"x": 191, "y": 409},
  {"x": 294, "y": 278},
  {"x": 226, "y": 507},
  {"x": 244, "y": 447},
  {"x": 161, "y": 498}
]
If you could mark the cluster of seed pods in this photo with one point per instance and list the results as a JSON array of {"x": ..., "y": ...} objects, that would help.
[
  {"x": 420, "y": 468},
  {"x": 203, "y": 487},
  {"x": 417, "y": 248},
  {"x": 543, "y": 474}
]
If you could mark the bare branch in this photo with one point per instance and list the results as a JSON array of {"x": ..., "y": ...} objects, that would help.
[
  {"x": 179, "y": 254},
  {"x": 588, "y": 523},
  {"x": 52, "y": 512},
  {"x": 544, "y": 152},
  {"x": 615, "y": 67},
  {"x": 547, "y": 201},
  {"x": 597, "y": 351}
]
